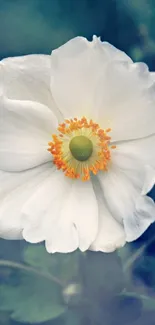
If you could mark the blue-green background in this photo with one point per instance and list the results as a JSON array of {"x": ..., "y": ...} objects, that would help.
[{"x": 109, "y": 289}]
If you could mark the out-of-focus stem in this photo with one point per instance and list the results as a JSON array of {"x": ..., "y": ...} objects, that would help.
[{"x": 30, "y": 269}]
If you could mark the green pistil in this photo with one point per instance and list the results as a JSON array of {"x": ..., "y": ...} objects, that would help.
[{"x": 81, "y": 148}]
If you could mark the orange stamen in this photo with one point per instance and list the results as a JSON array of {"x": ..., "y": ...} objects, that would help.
[{"x": 68, "y": 129}]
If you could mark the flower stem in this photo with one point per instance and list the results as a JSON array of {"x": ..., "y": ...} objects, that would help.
[
  {"x": 137, "y": 253},
  {"x": 30, "y": 269}
]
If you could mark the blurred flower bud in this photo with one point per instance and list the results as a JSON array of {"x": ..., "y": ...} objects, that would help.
[{"x": 72, "y": 293}]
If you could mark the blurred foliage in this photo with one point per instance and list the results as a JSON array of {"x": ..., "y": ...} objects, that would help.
[{"x": 78, "y": 288}]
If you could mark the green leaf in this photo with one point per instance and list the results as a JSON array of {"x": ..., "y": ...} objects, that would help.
[
  {"x": 34, "y": 300},
  {"x": 64, "y": 266},
  {"x": 37, "y": 256}
]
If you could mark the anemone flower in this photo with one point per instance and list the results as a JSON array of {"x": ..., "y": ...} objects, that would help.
[{"x": 77, "y": 158}]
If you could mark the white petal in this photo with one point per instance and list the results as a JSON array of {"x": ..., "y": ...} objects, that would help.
[
  {"x": 137, "y": 159},
  {"x": 42, "y": 207},
  {"x": 111, "y": 233},
  {"x": 130, "y": 164},
  {"x": 75, "y": 70},
  {"x": 142, "y": 149},
  {"x": 112, "y": 52},
  {"x": 43, "y": 219},
  {"x": 15, "y": 190},
  {"x": 152, "y": 75},
  {"x": 81, "y": 208},
  {"x": 119, "y": 193},
  {"x": 125, "y": 99},
  {"x": 25, "y": 130},
  {"x": 63, "y": 238},
  {"x": 143, "y": 216},
  {"x": 27, "y": 78},
  {"x": 149, "y": 180},
  {"x": 67, "y": 217},
  {"x": 127, "y": 204}
]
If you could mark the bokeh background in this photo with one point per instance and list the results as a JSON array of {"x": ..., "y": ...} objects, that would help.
[{"x": 90, "y": 288}]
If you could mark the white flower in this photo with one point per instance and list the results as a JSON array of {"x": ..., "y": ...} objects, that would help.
[{"x": 87, "y": 187}]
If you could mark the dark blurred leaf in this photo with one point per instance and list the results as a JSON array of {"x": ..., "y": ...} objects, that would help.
[
  {"x": 132, "y": 254},
  {"x": 148, "y": 302},
  {"x": 125, "y": 308},
  {"x": 102, "y": 274},
  {"x": 34, "y": 300},
  {"x": 11, "y": 249},
  {"x": 147, "y": 318},
  {"x": 144, "y": 269},
  {"x": 64, "y": 266}
]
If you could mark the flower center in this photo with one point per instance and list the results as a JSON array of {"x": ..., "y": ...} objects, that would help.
[{"x": 81, "y": 147}]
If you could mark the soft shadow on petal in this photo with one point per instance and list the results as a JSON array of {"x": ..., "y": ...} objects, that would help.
[
  {"x": 119, "y": 193},
  {"x": 15, "y": 190},
  {"x": 25, "y": 130},
  {"x": 142, "y": 149},
  {"x": 81, "y": 207},
  {"x": 126, "y": 204},
  {"x": 76, "y": 67},
  {"x": 124, "y": 100},
  {"x": 73, "y": 77},
  {"x": 141, "y": 219},
  {"x": 41, "y": 211},
  {"x": 149, "y": 180},
  {"x": 111, "y": 51},
  {"x": 63, "y": 213},
  {"x": 28, "y": 78},
  {"x": 42, "y": 220},
  {"x": 63, "y": 239},
  {"x": 137, "y": 159},
  {"x": 152, "y": 75},
  {"x": 76, "y": 221},
  {"x": 129, "y": 164},
  {"x": 111, "y": 233},
  {"x": 60, "y": 232}
]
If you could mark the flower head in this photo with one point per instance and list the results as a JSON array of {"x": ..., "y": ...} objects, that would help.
[
  {"x": 76, "y": 147},
  {"x": 81, "y": 148}
]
